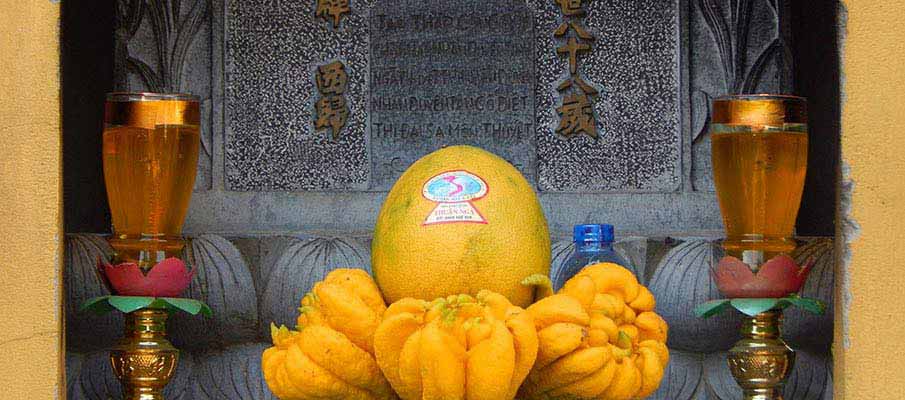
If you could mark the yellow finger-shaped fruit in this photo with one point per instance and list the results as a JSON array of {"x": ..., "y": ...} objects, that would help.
[
  {"x": 409, "y": 386},
  {"x": 631, "y": 331},
  {"x": 338, "y": 355},
  {"x": 360, "y": 284},
  {"x": 626, "y": 382},
  {"x": 477, "y": 333},
  {"x": 442, "y": 361},
  {"x": 407, "y": 305},
  {"x": 651, "y": 327},
  {"x": 389, "y": 339},
  {"x": 651, "y": 372},
  {"x": 491, "y": 364},
  {"x": 613, "y": 278},
  {"x": 282, "y": 337},
  {"x": 556, "y": 341},
  {"x": 603, "y": 323},
  {"x": 589, "y": 387},
  {"x": 581, "y": 288},
  {"x": 287, "y": 391},
  {"x": 348, "y": 314},
  {"x": 558, "y": 308},
  {"x": 312, "y": 380},
  {"x": 609, "y": 304},
  {"x": 659, "y": 348},
  {"x": 571, "y": 368},
  {"x": 644, "y": 302},
  {"x": 628, "y": 315},
  {"x": 272, "y": 361},
  {"x": 497, "y": 303},
  {"x": 525, "y": 341}
]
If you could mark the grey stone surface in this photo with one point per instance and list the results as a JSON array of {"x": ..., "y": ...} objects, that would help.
[
  {"x": 272, "y": 49},
  {"x": 450, "y": 72},
  {"x": 634, "y": 63}
]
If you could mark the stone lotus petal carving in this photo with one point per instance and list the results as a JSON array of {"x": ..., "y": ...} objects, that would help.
[
  {"x": 224, "y": 282},
  {"x": 87, "y": 331},
  {"x": 232, "y": 373},
  {"x": 810, "y": 378},
  {"x": 682, "y": 377},
  {"x": 301, "y": 264},
  {"x": 803, "y": 329},
  {"x": 682, "y": 280}
]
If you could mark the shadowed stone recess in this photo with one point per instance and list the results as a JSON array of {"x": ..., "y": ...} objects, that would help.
[
  {"x": 446, "y": 73},
  {"x": 273, "y": 49},
  {"x": 84, "y": 330},
  {"x": 635, "y": 66}
]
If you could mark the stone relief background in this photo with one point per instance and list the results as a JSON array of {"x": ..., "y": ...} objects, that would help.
[{"x": 277, "y": 204}]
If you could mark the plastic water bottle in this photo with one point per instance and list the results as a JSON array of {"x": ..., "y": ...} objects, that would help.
[{"x": 593, "y": 244}]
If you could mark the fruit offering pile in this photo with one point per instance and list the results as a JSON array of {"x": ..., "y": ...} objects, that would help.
[{"x": 461, "y": 250}]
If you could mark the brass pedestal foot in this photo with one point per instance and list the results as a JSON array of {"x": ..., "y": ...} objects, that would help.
[
  {"x": 761, "y": 361},
  {"x": 144, "y": 360}
]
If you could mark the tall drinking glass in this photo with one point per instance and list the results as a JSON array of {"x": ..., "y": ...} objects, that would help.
[
  {"x": 760, "y": 156},
  {"x": 150, "y": 149}
]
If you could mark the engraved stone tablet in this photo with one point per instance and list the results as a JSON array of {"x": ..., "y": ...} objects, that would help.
[
  {"x": 276, "y": 113},
  {"x": 450, "y": 72},
  {"x": 634, "y": 64}
]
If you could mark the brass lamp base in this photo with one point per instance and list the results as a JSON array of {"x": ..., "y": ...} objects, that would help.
[
  {"x": 761, "y": 362},
  {"x": 144, "y": 361}
]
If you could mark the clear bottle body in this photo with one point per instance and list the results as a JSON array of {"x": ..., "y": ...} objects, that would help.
[{"x": 584, "y": 254}]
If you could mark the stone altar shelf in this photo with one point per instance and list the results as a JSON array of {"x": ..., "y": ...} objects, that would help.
[{"x": 251, "y": 281}]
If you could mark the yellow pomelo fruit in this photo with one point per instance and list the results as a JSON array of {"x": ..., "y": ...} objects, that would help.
[{"x": 460, "y": 220}]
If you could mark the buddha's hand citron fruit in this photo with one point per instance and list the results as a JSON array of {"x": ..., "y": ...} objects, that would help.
[
  {"x": 457, "y": 347},
  {"x": 460, "y": 220},
  {"x": 598, "y": 338},
  {"x": 331, "y": 355}
]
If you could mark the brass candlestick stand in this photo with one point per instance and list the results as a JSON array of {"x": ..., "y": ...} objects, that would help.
[
  {"x": 144, "y": 361},
  {"x": 760, "y": 145},
  {"x": 761, "y": 361},
  {"x": 150, "y": 149}
]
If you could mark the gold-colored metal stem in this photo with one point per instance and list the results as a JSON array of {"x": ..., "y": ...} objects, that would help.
[
  {"x": 761, "y": 361},
  {"x": 144, "y": 361}
]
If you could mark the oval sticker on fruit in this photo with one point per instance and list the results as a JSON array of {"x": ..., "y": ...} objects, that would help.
[{"x": 454, "y": 192}]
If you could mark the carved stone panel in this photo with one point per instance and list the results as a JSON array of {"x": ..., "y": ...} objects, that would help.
[
  {"x": 273, "y": 51},
  {"x": 450, "y": 72},
  {"x": 164, "y": 46},
  {"x": 634, "y": 64}
]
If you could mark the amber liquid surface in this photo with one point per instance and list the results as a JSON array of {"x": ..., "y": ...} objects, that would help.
[
  {"x": 759, "y": 175},
  {"x": 150, "y": 173}
]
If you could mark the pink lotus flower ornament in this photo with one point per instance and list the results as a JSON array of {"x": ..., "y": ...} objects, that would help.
[
  {"x": 169, "y": 278},
  {"x": 779, "y": 277}
]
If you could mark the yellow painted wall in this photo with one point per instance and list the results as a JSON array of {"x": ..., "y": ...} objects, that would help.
[
  {"x": 870, "y": 332},
  {"x": 30, "y": 201}
]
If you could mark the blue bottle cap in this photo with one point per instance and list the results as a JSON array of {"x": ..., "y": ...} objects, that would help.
[
  {"x": 586, "y": 233},
  {"x": 607, "y": 233}
]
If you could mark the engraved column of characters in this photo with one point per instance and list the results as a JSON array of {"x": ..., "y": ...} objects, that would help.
[
  {"x": 334, "y": 9},
  {"x": 332, "y": 110},
  {"x": 577, "y": 111}
]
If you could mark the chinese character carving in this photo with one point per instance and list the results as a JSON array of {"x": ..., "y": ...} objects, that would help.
[
  {"x": 334, "y": 9},
  {"x": 571, "y": 8},
  {"x": 576, "y": 116},
  {"x": 331, "y": 109},
  {"x": 577, "y": 110}
]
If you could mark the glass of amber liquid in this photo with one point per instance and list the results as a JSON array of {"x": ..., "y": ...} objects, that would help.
[
  {"x": 150, "y": 148},
  {"x": 760, "y": 157}
]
